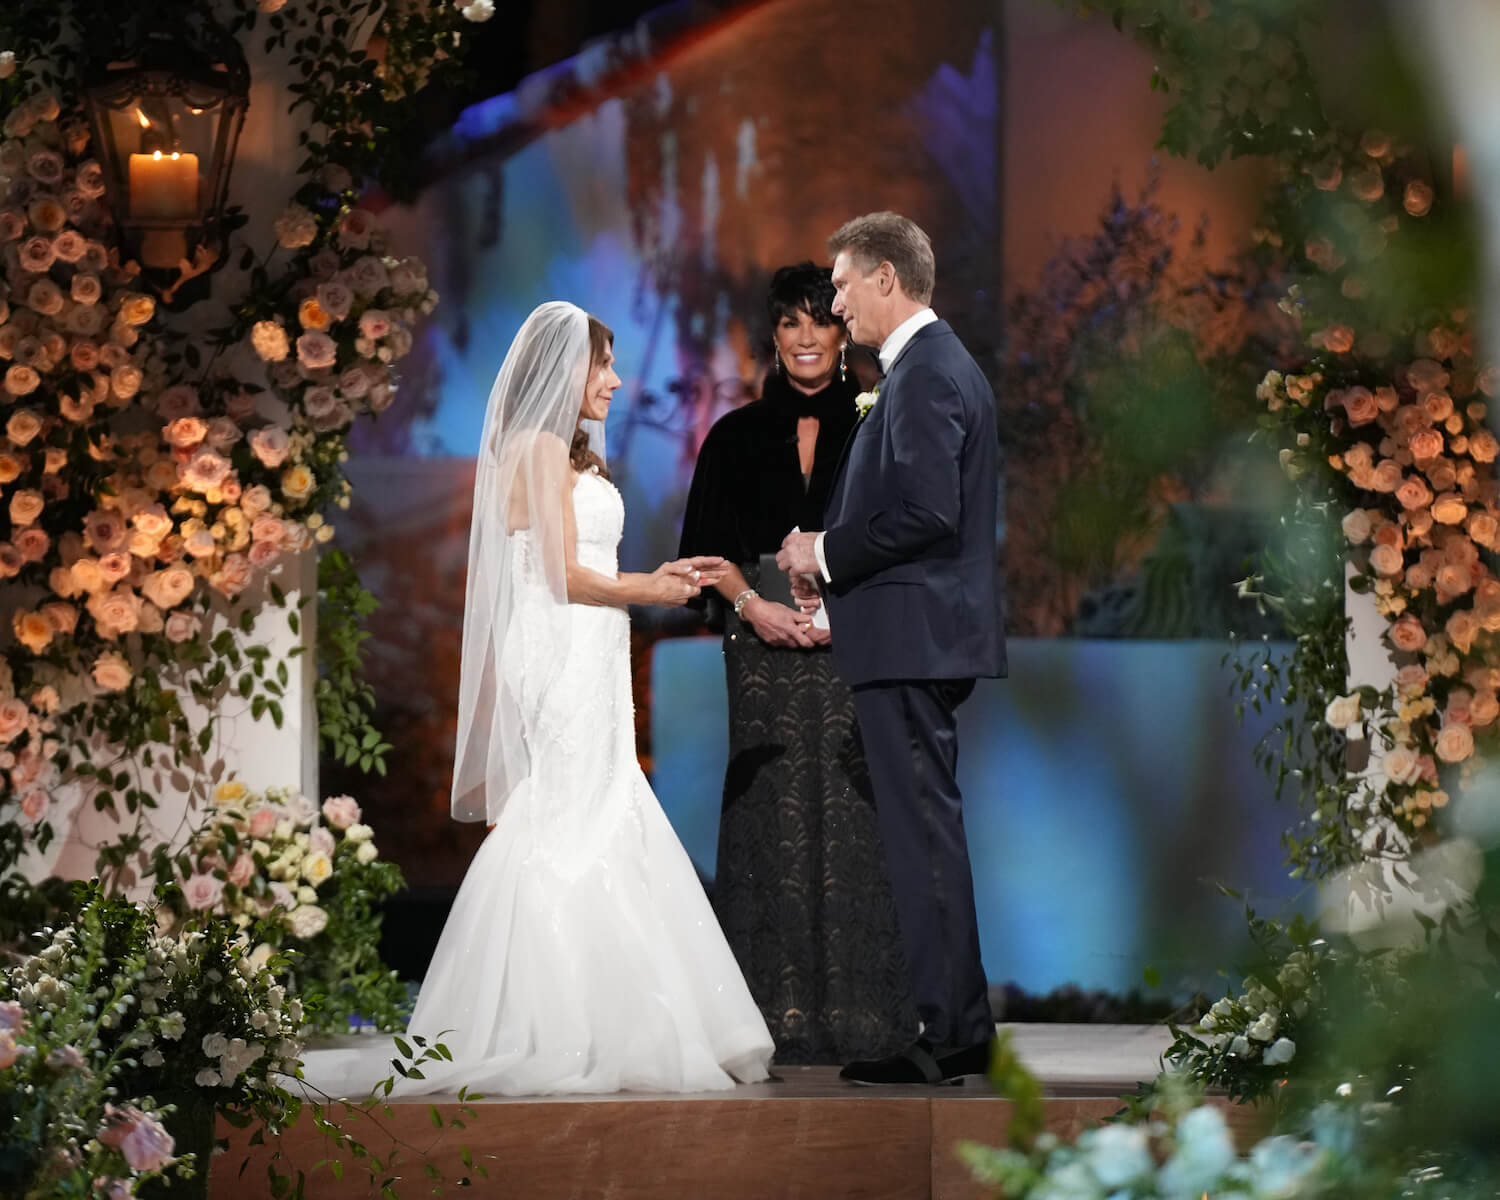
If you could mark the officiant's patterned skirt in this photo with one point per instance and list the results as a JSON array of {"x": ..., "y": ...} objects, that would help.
[{"x": 801, "y": 887}]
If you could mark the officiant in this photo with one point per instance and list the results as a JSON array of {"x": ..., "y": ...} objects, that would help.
[{"x": 800, "y": 886}]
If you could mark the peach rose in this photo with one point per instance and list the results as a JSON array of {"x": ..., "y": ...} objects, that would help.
[
  {"x": 1408, "y": 634},
  {"x": 1438, "y": 406},
  {"x": 1414, "y": 493},
  {"x": 1426, "y": 443},
  {"x": 32, "y": 544},
  {"x": 26, "y": 506},
  {"x": 1483, "y": 446},
  {"x": 169, "y": 587},
  {"x": 1386, "y": 560},
  {"x": 1360, "y": 406},
  {"x": 1462, "y": 627},
  {"x": 1454, "y": 743},
  {"x": 1412, "y": 679},
  {"x": 32, "y": 630},
  {"x": 1417, "y": 199},
  {"x": 1387, "y": 476},
  {"x": 1449, "y": 509},
  {"x": 1483, "y": 709},
  {"x": 111, "y": 671},
  {"x": 1356, "y": 526}
]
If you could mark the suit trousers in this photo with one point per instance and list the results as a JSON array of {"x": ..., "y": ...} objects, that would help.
[{"x": 910, "y": 735}]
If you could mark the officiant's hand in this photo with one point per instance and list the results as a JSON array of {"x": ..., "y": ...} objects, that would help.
[
  {"x": 797, "y": 556},
  {"x": 805, "y": 593},
  {"x": 777, "y": 625}
]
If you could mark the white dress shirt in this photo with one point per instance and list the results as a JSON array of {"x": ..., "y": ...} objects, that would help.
[{"x": 890, "y": 351}]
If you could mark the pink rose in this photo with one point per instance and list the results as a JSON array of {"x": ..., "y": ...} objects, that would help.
[
  {"x": 367, "y": 276},
  {"x": 233, "y": 576},
  {"x": 205, "y": 471},
  {"x": 181, "y": 627},
  {"x": 202, "y": 891},
  {"x": 32, "y": 544},
  {"x": 316, "y": 351},
  {"x": 34, "y": 805},
  {"x": 263, "y": 554},
  {"x": 263, "y": 822},
  {"x": 12, "y": 1017},
  {"x": 270, "y": 446},
  {"x": 104, "y": 530},
  {"x": 341, "y": 811},
  {"x": 62, "y": 617},
  {"x": 321, "y": 841},
  {"x": 1412, "y": 679},
  {"x": 356, "y": 227},
  {"x": 142, "y": 1140},
  {"x": 243, "y": 870},
  {"x": 1408, "y": 634},
  {"x": 185, "y": 432}
]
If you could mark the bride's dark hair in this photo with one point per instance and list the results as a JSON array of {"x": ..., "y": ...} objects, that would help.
[{"x": 601, "y": 341}]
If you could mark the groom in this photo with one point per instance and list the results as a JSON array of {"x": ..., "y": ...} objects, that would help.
[{"x": 908, "y": 564}]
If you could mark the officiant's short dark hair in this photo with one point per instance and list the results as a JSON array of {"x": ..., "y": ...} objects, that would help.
[
  {"x": 889, "y": 237},
  {"x": 802, "y": 287}
]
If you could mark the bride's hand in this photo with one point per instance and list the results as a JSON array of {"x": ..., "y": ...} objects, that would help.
[
  {"x": 674, "y": 582},
  {"x": 711, "y": 569}
]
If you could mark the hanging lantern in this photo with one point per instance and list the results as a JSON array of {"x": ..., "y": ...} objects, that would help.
[{"x": 166, "y": 109}]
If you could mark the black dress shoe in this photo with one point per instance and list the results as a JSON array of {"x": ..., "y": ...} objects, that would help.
[{"x": 921, "y": 1062}]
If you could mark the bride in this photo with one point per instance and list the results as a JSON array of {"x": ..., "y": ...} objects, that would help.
[{"x": 581, "y": 954}]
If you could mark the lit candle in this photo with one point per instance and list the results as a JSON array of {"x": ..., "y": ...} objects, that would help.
[{"x": 164, "y": 186}]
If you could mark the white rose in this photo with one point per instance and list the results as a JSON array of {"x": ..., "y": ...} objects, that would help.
[
  {"x": 359, "y": 833},
  {"x": 306, "y": 921},
  {"x": 1342, "y": 711},
  {"x": 1264, "y": 1027},
  {"x": 1280, "y": 1051}
]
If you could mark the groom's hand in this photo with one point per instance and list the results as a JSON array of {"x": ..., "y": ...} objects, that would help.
[{"x": 797, "y": 557}]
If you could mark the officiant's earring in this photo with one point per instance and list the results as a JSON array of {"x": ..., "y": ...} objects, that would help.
[{"x": 843, "y": 366}]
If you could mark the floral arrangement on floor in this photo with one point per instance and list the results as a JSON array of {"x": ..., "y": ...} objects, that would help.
[
  {"x": 109, "y": 1010},
  {"x": 308, "y": 882},
  {"x": 121, "y": 1044}
]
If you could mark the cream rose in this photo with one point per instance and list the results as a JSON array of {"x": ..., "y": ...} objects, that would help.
[
  {"x": 1454, "y": 743},
  {"x": 1414, "y": 493},
  {"x": 270, "y": 341},
  {"x": 169, "y": 587},
  {"x": 306, "y": 921},
  {"x": 26, "y": 506},
  {"x": 1401, "y": 764},
  {"x": 317, "y": 868},
  {"x": 111, "y": 671}
]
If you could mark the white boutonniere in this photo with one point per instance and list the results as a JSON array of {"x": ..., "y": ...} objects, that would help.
[{"x": 865, "y": 401}]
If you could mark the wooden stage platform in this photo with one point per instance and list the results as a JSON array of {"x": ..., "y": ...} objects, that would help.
[{"x": 807, "y": 1136}]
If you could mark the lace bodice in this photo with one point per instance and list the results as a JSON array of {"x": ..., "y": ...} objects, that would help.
[{"x": 600, "y": 516}]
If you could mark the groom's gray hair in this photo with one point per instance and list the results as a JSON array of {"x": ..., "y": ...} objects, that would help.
[{"x": 889, "y": 237}]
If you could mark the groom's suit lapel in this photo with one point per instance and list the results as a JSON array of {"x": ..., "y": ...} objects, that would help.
[{"x": 840, "y": 479}]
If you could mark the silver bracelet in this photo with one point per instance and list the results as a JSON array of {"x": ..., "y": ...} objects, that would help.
[{"x": 743, "y": 599}]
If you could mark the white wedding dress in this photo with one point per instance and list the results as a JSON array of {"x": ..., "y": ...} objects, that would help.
[{"x": 581, "y": 954}]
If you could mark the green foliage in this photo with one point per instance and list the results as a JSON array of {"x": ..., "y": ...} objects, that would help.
[{"x": 346, "y": 701}]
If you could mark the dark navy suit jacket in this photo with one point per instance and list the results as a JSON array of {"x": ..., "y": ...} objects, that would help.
[{"x": 910, "y": 544}]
